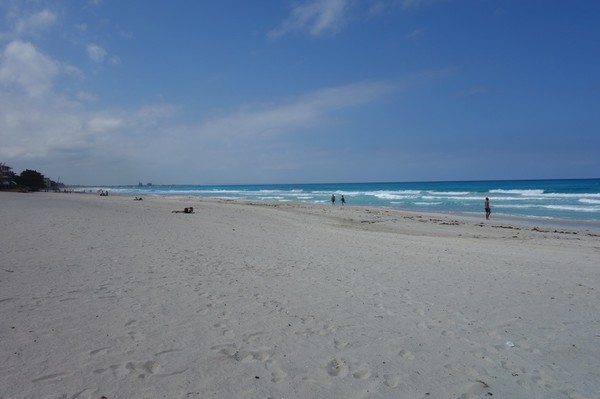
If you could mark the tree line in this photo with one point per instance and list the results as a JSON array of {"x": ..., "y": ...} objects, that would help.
[{"x": 27, "y": 180}]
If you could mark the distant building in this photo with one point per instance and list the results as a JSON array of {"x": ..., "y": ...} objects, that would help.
[{"x": 5, "y": 175}]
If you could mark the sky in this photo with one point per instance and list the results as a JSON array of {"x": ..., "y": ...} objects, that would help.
[{"x": 116, "y": 92}]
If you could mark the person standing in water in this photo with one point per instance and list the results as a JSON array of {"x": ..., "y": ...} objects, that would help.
[
  {"x": 332, "y": 199},
  {"x": 488, "y": 211},
  {"x": 343, "y": 200}
]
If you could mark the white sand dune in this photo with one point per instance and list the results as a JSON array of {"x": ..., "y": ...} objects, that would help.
[{"x": 110, "y": 297}]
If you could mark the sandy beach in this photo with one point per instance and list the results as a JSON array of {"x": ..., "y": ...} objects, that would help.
[{"x": 115, "y": 298}]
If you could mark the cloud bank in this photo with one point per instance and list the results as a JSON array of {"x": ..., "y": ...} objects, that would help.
[
  {"x": 40, "y": 124},
  {"x": 329, "y": 17}
]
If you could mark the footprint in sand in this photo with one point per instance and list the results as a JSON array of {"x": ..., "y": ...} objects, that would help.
[
  {"x": 142, "y": 368},
  {"x": 542, "y": 380},
  {"x": 406, "y": 354},
  {"x": 130, "y": 322},
  {"x": 50, "y": 377},
  {"x": 362, "y": 374},
  {"x": 340, "y": 344},
  {"x": 151, "y": 367},
  {"x": 244, "y": 356},
  {"x": 100, "y": 351},
  {"x": 447, "y": 333},
  {"x": 475, "y": 390},
  {"x": 252, "y": 338},
  {"x": 225, "y": 330},
  {"x": 391, "y": 380},
  {"x": 167, "y": 351},
  {"x": 337, "y": 368},
  {"x": 135, "y": 336},
  {"x": 276, "y": 371},
  {"x": 88, "y": 393}
]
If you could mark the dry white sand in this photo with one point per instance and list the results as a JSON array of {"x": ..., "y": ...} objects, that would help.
[{"x": 110, "y": 297}]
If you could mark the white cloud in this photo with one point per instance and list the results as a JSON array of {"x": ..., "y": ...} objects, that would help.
[
  {"x": 36, "y": 22},
  {"x": 312, "y": 108},
  {"x": 40, "y": 127},
  {"x": 320, "y": 17},
  {"x": 99, "y": 54},
  {"x": 315, "y": 16},
  {"x": 96, "y": 53},
  {"x": 30, "y": 128},
  {"x": 102, "y": 124},
  {"x": 302, "y": 112},
  {"x": 57, "y": 129},
  {"x": 85, "y": 96},
  {"x": 73, "y": 71},
  {"x": 150, "y": 115},
  {"x": 22, "y": 65}
]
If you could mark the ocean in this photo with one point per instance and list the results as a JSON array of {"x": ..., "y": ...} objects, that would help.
[{"x": 574, "y": 200}]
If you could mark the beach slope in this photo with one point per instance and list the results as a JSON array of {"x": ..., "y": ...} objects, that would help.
[{"x": 116, "y": 298}]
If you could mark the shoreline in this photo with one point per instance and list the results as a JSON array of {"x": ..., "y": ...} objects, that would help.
[
  {"x": 572, "y": 199},
  {"x": 107, "y": 296},
  {"x": 575, "y": 224},
  {"x": 522, "y": 221}
]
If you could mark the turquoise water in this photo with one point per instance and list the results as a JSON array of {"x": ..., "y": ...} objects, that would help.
[{"x": 547, "y": 199}]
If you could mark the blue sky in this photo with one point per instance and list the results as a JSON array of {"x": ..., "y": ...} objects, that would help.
[{"x": 225, "y": 92}]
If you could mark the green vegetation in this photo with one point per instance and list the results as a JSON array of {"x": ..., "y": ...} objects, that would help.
[{"x": 28, "y": 180}]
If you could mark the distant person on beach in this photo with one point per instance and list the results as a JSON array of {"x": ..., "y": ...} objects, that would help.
[
  {"x": 332, "y": 199},
  {"x": 185, "y": 210},
  {"x": 343, "y": 200},
  {"x": 488, "y": 211}
]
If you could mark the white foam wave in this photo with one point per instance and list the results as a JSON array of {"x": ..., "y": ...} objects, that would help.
[
  {"x": 448, "y": 193},
  {"x": 574, "y": 208},
  {"x": 437, "y": 197},
  {"x": 394, "y": 196},
  {"x": 537, "y": 194},
  {"x": 521, "y": 192},
  {"x": 289, "y": 192},
  {"x": 565, "y": 195},
  {"x": 589, "y": 201},
  {"x": 515, "y": 206},
  {"x": 271, "y": 197}
]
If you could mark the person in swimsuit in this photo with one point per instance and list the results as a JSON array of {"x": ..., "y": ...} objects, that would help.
[
  {"x": 185, "y": 210},
  {"x": 488, "y": 211}
]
